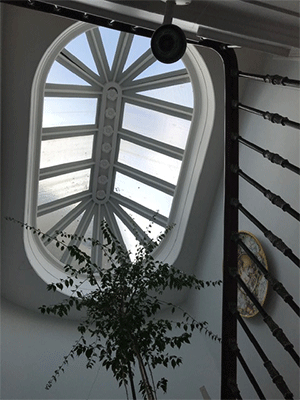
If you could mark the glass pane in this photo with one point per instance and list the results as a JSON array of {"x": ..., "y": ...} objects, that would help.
[
  {"x": 129, "y": 239},
  {"x": 153, "y": 230},
  {"x": 47, "y": 221},
  {"x": 149, "y": 161},
  {"x": 65, "y": 150},
  {"x": 60, "y": 74},
  {"x": 139, "y": 46},
  {"x": 110, "y": 39},
  {"x": 143, "y": 194},
  {"x": 57, "y": 252},
  {"x": 160, "y": 68},
  {"x": 63, "y": 185},
  {"x": 80, "y": 48},
  {"x": 156, "y": 125},
  {"x": 87, "y": 246},
  {"x": 178, "y": 94},
  {"x": 69, "y": 111},
  {"x": 70, "y": 229}
]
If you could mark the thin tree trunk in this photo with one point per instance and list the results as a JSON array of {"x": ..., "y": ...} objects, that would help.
[
  {"x": 131, "y": 381},
  {"x": 149, "y": 390}
]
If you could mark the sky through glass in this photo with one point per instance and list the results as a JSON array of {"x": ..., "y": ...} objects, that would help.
[{"x": 115, "y": 126}]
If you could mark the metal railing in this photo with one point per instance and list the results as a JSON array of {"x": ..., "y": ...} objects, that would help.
[{"x": 231, "y": 351}]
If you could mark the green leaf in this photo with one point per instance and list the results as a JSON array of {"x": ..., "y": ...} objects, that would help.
[{"x": 89, "y": 352}]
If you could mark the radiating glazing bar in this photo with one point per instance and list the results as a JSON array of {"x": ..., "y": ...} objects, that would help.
[
  {"x": 273, "y": 79},
  {"x": 145, "y": 212},
  {"x": 99, "y": 54},
  {"x": 137, "y": 67},
  {"x": 273, "y": 157},
  {"x": 121, "y": 55},
  {"x": 79, "y": 233},
  {"x": 96, "y": 254},
  {"x": 134, "y": 228},
  {"x": 73, "y": 64},
  {"x": 61, "y": 203},
  {"x": 167, "y": 79},
  {"x": 272, "y": 117},
  {"x": 66, "y": 220},
  {"x": 113, "y": 224}
]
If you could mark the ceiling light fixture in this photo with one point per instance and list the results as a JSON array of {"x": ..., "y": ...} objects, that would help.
[{"x": 168, "y": 43}]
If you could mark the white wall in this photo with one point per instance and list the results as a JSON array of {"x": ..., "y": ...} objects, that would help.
[{"x": 285, "y": 141}]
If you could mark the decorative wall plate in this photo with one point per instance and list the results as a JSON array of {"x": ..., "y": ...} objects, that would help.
[{"x": 251, "y": 275}]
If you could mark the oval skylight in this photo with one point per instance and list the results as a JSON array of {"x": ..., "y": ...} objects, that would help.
[{"x": 114, "y": 133}]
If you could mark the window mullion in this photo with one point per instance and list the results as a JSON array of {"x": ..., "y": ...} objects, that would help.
[
  {"x": 97, "y": 254},
  {"x": 152, "y": 144},
  {"x": 134, "y": 228},
  {"x": 61, "y": 169},
  {"x": 157, "y": 81},
  {"x": 113, "y": 224},
  {"x": 122, "y": 51},
  {"x": 74, "y": 65},
  {"x": 61, "y": 203},
  {"x": 61, "y": 90},
  {"x": 138, "y": 67},
  {"x": 176, "y": 110},
  {"x": 145, "y": 212},
  {"x": 66, "y": 220},
  {"x": 80, "y": 231},
  {"x": 99, "y": 54},
  {"x": 60, "y": 132},
  {"x": 149, "y": 180}
]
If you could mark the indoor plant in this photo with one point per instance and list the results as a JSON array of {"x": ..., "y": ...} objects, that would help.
[{"x": 121, "y": 328}]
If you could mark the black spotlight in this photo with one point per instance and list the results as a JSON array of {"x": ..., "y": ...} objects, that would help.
[{"x": 168, "y": 43}]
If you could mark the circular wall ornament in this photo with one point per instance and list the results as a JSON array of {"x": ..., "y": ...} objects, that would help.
[{"x": 251, "y": 275}]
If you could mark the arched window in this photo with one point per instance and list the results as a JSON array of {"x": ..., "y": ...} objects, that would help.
[{"x": 114, "y": 135}]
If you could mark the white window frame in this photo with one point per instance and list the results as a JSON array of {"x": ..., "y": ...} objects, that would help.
[{"x": 201, "y": 167}]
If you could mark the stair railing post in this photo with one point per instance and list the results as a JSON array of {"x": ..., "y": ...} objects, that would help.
[{"x": 229, "y": 324}]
